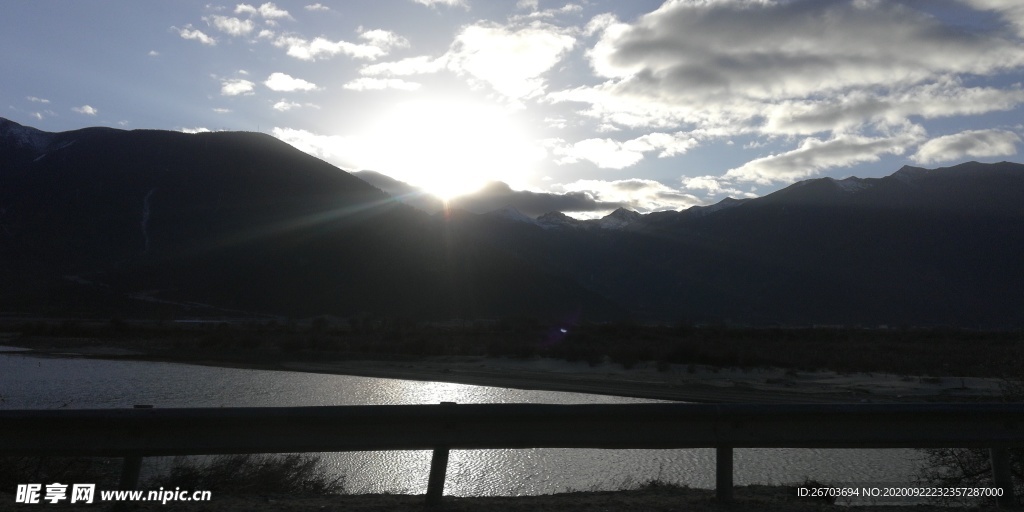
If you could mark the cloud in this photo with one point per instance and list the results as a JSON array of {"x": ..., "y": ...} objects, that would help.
[
  {"x": 380, "y": 44},
  {"x": 490, "y": 197},
  {"x": 267, "y": 11},
  {"x": 333, "y": 148},
  {"x": 449, "y": 3},
  {"x": 636, "y": 194},
  {"x": 285, "y": 105},
  {"x": 236, "y": 86},
  {"x": 317, "y": 7},
  {"x": 376, "y": 84},
  {"x": 383, "y": 38},
  {"x": 408, "y": 66},
  {"x": 34, "y": 99},
  {"x": 86, "y": 109},
  {"x": 198, "y": 129},
  {"x": 286, "y": 83},
  {"x": 511, "y": 61},
  {"x": 1011, "y": 10},
  {"x": 221, "y": 110},
  {"x": 497, "y": 195},
  {"x": 604, "y": 153},
  {"x": 815, "y": 154},
  {"x": 972, "y": 143},
  {"x": 153, "y": 53},
  {"x": 612, "y": 154},
  {"x": 741, "y": 66},
  {"x": 231, "y": 26},
  {"x": 195, "y": 34},
  {"x": 713, "y": 185}
]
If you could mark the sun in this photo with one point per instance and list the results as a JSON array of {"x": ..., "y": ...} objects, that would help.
[{"x": 451, "y": 147}]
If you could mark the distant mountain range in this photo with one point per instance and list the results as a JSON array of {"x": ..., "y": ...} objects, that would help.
[{"x": 147, "y": 223}]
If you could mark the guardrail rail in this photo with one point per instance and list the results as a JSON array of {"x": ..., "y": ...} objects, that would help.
[{"x": 144, "y": 432}]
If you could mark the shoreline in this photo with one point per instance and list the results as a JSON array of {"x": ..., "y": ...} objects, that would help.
[{"x": 684, "y": 383}]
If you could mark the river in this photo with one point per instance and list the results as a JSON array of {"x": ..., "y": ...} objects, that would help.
[{"x": 30, "y": 382}]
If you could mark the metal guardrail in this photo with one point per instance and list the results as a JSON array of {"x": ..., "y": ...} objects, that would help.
[{"x": 141, "y": 432}]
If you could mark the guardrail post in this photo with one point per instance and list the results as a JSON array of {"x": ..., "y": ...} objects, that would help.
[
  {"x": 131, "y": 466},
  {"x": 438, "y": 469},
  {"x": 130, "y": 469},
  {"x": 1001, "y": 477},
  {"x": 723, "y": 473}
]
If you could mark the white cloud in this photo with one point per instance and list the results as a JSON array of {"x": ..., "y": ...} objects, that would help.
[
  {"x": 86, "y": 109},
  {"x": 284, "y": 82},
  {"x": 231, "y": 26},
  {"x": 815, "y": 154},
  {"x": 221, "y": 110},
  {"x": 637, "y": 194},
  {"x": 790, "y": 66},
  {"x": 34, "y": 99},
  {"x": 528, "y": 4},
  {"x": 604, "y": 153},
  {"x": 317, "y": 7},
  {"x": 268, "y": 11},
  {"x": 612, "y": 154},
  {"x": 332, "y": 148},
  {"x": 383, "y": 38},
  {"x": 380, "y": 44},
  {"x": 369, "y": 83},
  {"x": 195, "y": 34},
  {"x": 153, "y": 53},
  {"x": 236, "y": 86},
  {"x": 408, "y": 66},
  {"x": 972, "y": 143},
  {"x": 713, "y": 186},
  {"x": 198, "y": 129},
  {"x": 1011, "y": 10},
  {"x": 449, "y": 3},
  {"x": 511, "y": 61},
  {"x": 285, "y": 105}
]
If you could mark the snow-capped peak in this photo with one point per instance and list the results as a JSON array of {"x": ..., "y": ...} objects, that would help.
[
  {"x": 851, "y": 184},
  {"x": 619, "y": 219}
]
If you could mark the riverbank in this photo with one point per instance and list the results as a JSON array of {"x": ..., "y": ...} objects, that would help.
[{"x": 688, "y": 383}]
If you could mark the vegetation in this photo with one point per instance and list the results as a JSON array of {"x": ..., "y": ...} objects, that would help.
[
  {"x": 904, "y": 351},
  {"x": 972, "y": 467},
  {"x": 301, "y": 474},
  {"x": 292, "y": 474},
  {"x": 21, "y": 470}
]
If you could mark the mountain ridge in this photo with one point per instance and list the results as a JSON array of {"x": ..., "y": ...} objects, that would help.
[{"x": 148, "y": 222}]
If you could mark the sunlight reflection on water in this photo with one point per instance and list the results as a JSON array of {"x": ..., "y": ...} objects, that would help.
[{"x": 28, "y": 382}]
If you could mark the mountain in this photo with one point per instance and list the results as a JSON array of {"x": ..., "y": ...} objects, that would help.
[
  {"x": 919, "y": 247},
  {"x": 153, "y": 223},
  {"x": 111, "y": 222}
]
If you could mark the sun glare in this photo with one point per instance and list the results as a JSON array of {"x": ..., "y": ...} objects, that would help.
[{"x": 450, "y": 148}]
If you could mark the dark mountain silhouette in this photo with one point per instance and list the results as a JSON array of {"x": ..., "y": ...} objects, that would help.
[
  {"x": 124, "y": 222},
  {"x": 103, "y": 221},
  {"x": 492, "y": 196},
  {"x": 920, "y": 247}
]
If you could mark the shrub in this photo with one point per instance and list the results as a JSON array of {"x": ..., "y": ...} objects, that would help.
[
  {"x": 265, "y": 474},
  {"x": 972, "y": 467}
]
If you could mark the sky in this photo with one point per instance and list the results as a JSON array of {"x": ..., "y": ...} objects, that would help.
[{"x": 645, "y": 104}]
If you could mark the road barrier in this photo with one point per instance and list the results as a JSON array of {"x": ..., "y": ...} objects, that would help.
[{"x": 146, "y": 432}]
